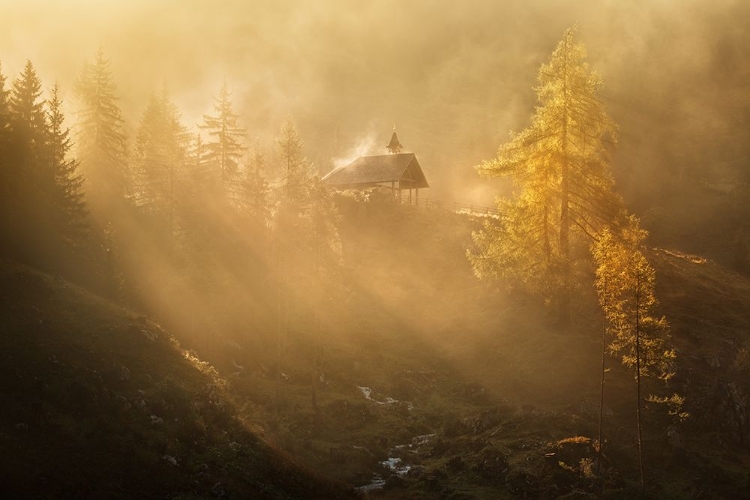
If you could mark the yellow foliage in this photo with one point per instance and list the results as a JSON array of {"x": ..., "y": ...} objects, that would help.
[
  {"x": 560, "y": 166},
  {"x": 625, "y": 284}
]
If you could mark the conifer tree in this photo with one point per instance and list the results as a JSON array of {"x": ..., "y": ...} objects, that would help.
[
  {"x": 224, "y": 148},
  {"x": 197, "y": 202},
  {"x": 68, "y": 197},
  {"x": 159, "y": 160},
  {"x": 560, "y": 167},
  {"x": 4, "y": 104},
  {"x": 287, "y": 231},
  {"x": 27, "y": 107},
  {"x": 625, "y": 284},
  {"x": 254, "y": 189},
  {"x": 297, "y": 170},
  {"x": 101, "y": 136},
  {"x": 6, "y": 175},
  {"x": 29, "y": 130},
  {"x": 308, "y": 247},
  {"x": 325, "y": 247},
  {"x": 32, "y": 184}
]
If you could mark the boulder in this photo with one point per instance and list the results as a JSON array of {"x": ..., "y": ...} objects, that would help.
[
  {"x": 521, "y": 483},
  {"x": 491, "y": 465},
  {"x": 394, "y": 482},
  {"x": 455, "y": 464},
  {"x": 417, "y": 472}
]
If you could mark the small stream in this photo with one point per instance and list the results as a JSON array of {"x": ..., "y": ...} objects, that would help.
[
  {"x": 394, "y": 464},
  {"x": 397, "y": 465},
  {"x": 377, "y": 398}
]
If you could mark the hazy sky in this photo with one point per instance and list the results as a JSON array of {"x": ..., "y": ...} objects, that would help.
[{"x": 453, "y": 76}]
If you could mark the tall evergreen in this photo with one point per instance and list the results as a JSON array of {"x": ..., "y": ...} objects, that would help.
[
  {"x": 101, "y": 136},
  {"x": 560, "y": 166},
  {"x": 287, "y": 235},
  {"x": 6, "y": 177},
  {"x": 159, "y": 159},
  {"x": 31, "y": 183},
  {"x": 27, "y": 107},
  {"x": 224, "y": 148},
  {"x": 307, "y": 244},
  {"x": 296, "y": 169},
  {"x": 70, "y": 206},
  {"x": 4, "y": 104},
  {"x": 254, "y": 189}
]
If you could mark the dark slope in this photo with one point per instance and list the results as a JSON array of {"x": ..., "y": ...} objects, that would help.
[{"x": 100, "y": 403}]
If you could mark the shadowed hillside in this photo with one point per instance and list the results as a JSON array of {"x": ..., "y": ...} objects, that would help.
[{"x": 99, "y": 402}]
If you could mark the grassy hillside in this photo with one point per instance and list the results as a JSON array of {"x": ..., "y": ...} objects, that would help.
[{"x": 101, "y": 403}]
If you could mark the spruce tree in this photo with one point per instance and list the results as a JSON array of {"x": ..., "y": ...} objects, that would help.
[
  {"x": 4, "y": 104},
  {"x": 560, "y": 166},
  {"x": 288, "y": 231},
  {"x": 324, "y": 272},
  {"x": 254, "y": 190},
  {"x": 27, "y": 107},
  {"x": 71, "y": 211},
  {"x": 297, "y": 171},
  {"x": 224, "y": 148},
  {"x": 159, "y": 160},
  {"x": 308, "y": 248},
  {"x": 101, "y": 136},
  {"x": 32, "y": 183},
  {"x": 6, "y": 174}
]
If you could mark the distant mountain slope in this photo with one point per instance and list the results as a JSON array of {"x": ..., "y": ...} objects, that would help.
[{"x": 100, "y": 403}]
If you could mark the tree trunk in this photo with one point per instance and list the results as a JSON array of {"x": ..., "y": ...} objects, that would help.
[
  {"x": 171, "y": 211},
  {"x": 316, "y": 337},
  {"x": 279, "y": 322},
  {"x": 314, "y": 384},
  {"x": 547, "y": 245},
  {"x": 601, "y": 398},
  {"x": 564, "y": 312},
  {"x": 313, "y": 388},
  {"x": 638, "y": 379}
]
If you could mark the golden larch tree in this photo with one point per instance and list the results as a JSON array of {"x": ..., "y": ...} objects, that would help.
[
  {"x": 625, "y": 283},
  {"x": 564, "y": 184}
]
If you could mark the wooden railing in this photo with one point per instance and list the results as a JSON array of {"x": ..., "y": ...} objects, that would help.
[{"x": 451, "y": 206}]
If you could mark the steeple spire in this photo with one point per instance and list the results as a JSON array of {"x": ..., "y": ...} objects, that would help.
[{"x": 394, "y": 147}]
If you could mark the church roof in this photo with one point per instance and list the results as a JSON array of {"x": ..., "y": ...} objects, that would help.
[{"x": 370, "y": 170}]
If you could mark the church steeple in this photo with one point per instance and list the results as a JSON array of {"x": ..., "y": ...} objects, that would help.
[{"x": 394, "y": 147}]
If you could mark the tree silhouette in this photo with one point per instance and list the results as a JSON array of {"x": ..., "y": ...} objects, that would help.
[
  {"x": 306, "y": 242},
  {"x": 4, "y": 104},
  {"x": 72, "y": 212},
  {"x": 101, "y": 137},
  {"x": 26, "y": 107},
  {"x": 7, "y": 193},
  {"x": 32, "y": 182},
  {"x": 224, "y": 148},
  {"x": 254, "y": 190},
  {"x": 160, "y": 159}
]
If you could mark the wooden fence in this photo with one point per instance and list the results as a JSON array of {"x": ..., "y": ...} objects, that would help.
[{"x": 452, "y": 206}]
